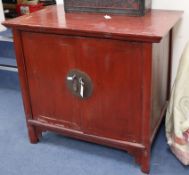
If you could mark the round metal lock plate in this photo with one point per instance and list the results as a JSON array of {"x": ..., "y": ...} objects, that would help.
[{"x": 79, "y": 83}]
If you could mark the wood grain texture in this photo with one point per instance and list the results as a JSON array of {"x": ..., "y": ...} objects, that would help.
[
  {"x": 24, "y": 85},
  {"x": 112, "y": 86},
  {"x": 129, "y": 70},
  {"x": 152, "y": 27}
]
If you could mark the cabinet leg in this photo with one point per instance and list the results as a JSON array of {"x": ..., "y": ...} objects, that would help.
[
  {"x": 145, "y": 161},
  {"x": 33, "y": 134}
]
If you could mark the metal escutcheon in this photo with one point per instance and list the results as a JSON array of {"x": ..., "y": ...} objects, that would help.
[{"x": 79, "y": 83}]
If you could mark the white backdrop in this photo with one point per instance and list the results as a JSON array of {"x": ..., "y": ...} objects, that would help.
[
  {"x": 181, "y": 31},
  {"x": 1, "y": 16},
  {"x": 59, "y": 1}
]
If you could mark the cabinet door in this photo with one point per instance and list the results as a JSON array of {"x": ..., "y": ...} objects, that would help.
[
  {"x": 114, "y": 109},
  {"x": 48, "y": 58}
]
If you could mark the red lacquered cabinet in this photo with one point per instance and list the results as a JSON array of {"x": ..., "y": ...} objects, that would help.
[{"x": 101, "y": 80}]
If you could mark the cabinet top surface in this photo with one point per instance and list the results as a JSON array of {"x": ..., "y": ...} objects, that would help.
[{"x": 151, "y": 27}]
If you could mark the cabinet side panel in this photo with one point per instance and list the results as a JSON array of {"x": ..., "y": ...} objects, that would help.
[
  {"x": 160, "y": 80},
  {"x": 22, "y": 73},
  {"x": 32, "y": 132}
]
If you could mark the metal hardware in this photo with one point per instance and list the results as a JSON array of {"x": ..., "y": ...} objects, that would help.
[
  {"x": 81, "y": 87},
  {"x": 75, "y": 88},
  {"x": 71, "y": 77},
  {"x": 74, "y": 81},
  {"x": 79, "y": 83}
]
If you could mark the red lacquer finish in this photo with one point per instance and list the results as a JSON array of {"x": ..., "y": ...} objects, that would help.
[
  {"x": 151, "y": 27},
  {"x": 127, "y": 59}
]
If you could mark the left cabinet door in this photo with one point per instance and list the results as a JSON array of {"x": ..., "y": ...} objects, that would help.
[{"x": 48, "y": 58}]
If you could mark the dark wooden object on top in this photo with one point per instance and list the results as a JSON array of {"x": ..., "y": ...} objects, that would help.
[
  {"x": 10, "y": 4},
  {"x": 127, "y": 59},
  {"x": 129, "y": 7}
]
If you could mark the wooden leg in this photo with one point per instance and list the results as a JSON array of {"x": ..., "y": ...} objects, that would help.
[
  {"x": 145, "y": 161},
  {"x": 33, "y": 135}
]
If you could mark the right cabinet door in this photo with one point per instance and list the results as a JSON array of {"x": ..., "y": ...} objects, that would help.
[{"x": 114, "y": 109}]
